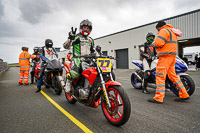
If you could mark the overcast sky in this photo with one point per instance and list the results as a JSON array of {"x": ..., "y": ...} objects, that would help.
[{"x": 30, "y": 22}]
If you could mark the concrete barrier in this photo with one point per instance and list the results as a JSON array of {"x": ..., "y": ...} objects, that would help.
[{"x": 3, "y": 67}]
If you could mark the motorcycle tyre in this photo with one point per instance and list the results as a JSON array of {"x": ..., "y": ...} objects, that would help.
[{"x": 127, "y": 106}]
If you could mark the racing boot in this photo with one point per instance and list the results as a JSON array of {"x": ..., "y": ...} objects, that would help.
[
  {"x": 32, "y": 80},
  {"x": 32, "y": 77},
  {"x": 68, "y": 86},
  {"x": 144, "y": 87},
  {"x": 38, "y": 89}
]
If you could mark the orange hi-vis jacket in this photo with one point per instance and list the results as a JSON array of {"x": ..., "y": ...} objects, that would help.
[
  {"x": 166, "y": 41},
  {"x": 24, "y": 61}
]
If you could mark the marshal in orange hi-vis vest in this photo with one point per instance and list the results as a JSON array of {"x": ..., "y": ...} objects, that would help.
[
  {"x": 24, "y": 66},
  {"x": 166, "y": 43}
]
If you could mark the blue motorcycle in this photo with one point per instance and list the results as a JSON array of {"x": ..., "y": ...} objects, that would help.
[{"x": 180, "y": 68}]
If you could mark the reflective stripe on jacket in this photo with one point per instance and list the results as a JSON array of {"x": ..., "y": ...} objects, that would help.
[
  {"x": 166, "y": 41},
  {"x": 24, "y": 61}
]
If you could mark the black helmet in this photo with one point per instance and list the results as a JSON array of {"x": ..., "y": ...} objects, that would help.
[
  {"x": 148, "y": 35},
  {"x": 25, "y": 48},
  {"x": 36, "y": 50},
  {"x": 98, "y": 48},
  {"x": 85, "y": 23},
  {"x": 48, "y": 43},
  {"x": 160, "y": 24}
]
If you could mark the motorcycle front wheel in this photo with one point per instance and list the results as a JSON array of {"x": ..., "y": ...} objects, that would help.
[
  {"x": 58, "y": 89},
  {"x": 119, "y": 112}
]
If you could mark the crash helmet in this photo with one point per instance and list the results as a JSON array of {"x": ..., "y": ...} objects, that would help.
[
  {"x": 98, "y": 48},
  {"x": 36, "y": 50},
  {"x": 69, "y": 52},
  {"x": 25, "y": 48},
  {"x": 148, "y": 35},
  {"x": 85, "y": 22},
  {"x": 48, "y": 43}
]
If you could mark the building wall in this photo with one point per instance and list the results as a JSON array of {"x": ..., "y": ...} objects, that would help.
[{"x": 188, "y": 23}]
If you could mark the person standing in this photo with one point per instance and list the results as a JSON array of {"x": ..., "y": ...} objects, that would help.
[
  {"x": 196, "y": 61},
  {"x": 166, "y": 43},
  {"x": 34, "y": 61},
  {"x": 24, "y": 65},
  {"x": 69, "y": 56},
  {"x": 148, "y": 56}
]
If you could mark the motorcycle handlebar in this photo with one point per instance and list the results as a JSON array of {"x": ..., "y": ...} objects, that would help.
[{"x": 94, "y": 56}]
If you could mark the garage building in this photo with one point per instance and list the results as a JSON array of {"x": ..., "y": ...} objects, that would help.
[{"x": 124, "y": 44}]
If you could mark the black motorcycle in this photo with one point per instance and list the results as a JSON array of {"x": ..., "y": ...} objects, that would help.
[{"x": 53, "y": 76}]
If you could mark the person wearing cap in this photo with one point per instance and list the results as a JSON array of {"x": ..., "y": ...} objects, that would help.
[
  {"x": 24, "y": 65},
  {"x": 166, "y": 43},
  {"x": 148, "y": 55}
]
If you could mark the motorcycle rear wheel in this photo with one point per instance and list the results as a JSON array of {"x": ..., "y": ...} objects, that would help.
[{"x": 119, "y": 112}]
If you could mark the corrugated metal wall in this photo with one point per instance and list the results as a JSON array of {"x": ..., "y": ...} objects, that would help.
[{"x": 189, "y": 24}]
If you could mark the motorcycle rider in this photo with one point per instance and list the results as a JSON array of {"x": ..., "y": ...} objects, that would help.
[
  {"x": 98, "y": 50},
  {"x": 24, "y": 65},
  {"x": 48, "y": 52},
  {"x": 68, "y": 57},
  {"x": 34, "y": 61},
  {"x": 148, "y": 56},
  {"x": 82, "y": 45},
  {"x": 166, "y": 43}
]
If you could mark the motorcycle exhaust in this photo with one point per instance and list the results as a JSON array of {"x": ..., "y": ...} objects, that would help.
[
  {"x": 61, "y": 81},
  {"x": 138, "y": 76}
]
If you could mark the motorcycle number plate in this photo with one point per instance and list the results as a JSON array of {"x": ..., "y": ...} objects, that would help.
[{"x": 104, "y": 64}]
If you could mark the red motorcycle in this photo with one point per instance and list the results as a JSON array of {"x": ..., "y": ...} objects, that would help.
[{"x": 96, "y": 83}]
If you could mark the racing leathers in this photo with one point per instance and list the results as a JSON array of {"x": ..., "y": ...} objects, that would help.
[
  {"x": 47, "y": 53},
  {"x": 34, "y": 61},
  {"x": 148, "y": 56},
  {"x": 82, "y": 45},
  {"x": 68, "y": 57}
]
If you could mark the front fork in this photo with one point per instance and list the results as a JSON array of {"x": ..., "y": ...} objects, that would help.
[{"x": 104, "y": 88}]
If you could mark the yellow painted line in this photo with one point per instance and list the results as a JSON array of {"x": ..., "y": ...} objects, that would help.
[
  {"x": 198, "y": 87},
  {"x": 73, "y": 119}
]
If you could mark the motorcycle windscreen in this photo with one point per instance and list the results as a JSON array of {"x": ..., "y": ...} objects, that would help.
[{"x": 180, "y": 65}]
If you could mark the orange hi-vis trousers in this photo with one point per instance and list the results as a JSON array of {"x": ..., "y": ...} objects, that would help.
[
  {"x": 23, "y": 76},
  {"x": 166, "y": 66}
]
